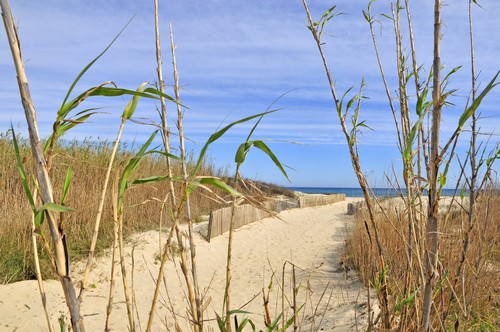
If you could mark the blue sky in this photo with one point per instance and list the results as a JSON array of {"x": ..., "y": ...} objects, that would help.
[{"x": 235, "y": 58}]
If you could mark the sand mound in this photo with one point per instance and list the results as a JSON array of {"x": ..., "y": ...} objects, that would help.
[{"x": 311, "y": 238}]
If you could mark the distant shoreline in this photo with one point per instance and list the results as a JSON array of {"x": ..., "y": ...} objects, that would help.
[{"x": 356, "y": 192}]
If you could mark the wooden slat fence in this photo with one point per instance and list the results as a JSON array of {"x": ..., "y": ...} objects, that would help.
[
  {"x": 245, "y": 214},
  {"x": 220, "y": 219},
  {"x": 317, "y": 200}
]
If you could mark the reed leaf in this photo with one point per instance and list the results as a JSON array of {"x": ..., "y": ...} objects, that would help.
[
  {"x": 410, "y": 300},
  {"x": 39, "y": 215},
  {"x": 408, "y": 148},
  {"x": 158, "y": 178},
  {"x": 212, "y": 181},
  {"x": 67, "y": 182},
  {"x": 22, "y": 172},
  {"x": 132, "y": 104},
  {"x": 475, "y": 104},
  {"x": 84, "y": 70},
  {"x": 263, "y": 147},
  {"x": 130, "y": 169},
  {"x": 215, "y": 136},
  {"x": 422, "y": 104},
  {"x": 243, "y": 323}
]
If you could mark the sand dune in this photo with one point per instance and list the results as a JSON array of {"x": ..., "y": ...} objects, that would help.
[{"x": 311, "y": 238}]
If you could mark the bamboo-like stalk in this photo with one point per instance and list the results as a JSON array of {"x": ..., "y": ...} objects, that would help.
[
  {"x": 358, "y": 171},
  {"x": 164, "y": 121},
  {"x": 164, "y": 258},
  {"x": 57, "y": 235},
  {"x": 166, "y": 142},
  {"x": 400, "y": 60},
  {"x": 39, "y": 279},
  {"x": 128, "y": 301},
  {"x": 386, "y": 85},
  {"x": 473, "y": 193},
  {"x": 408, "y": 163},
  {"x": 197, "y": 316},
  {"x": 227, "y": 290},
  {"x": 421, "y": 149},
  {"x": 432, "y": 235},
  {"x": 175, "y": 230},
  {"x": 114, "y": 262},
  {"x": 295, "y": 309},
  {"x": 100, "y": 210}
]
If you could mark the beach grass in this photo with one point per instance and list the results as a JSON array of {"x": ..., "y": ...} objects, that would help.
[
  {"x": 472, "y": 292},
  {"x": 90, "y": 159}
]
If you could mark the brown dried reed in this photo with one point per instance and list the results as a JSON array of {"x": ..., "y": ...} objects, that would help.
[
  {"x": 469, "y": 298},
  {"x": 89, "y": 160}
]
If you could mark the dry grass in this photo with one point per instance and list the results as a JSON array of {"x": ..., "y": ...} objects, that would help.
[
  {"x": 89, "y": 161},
  {"x": 476, "y": 289}
]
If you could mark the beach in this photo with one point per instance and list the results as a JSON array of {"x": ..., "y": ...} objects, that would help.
[{"x": 329, "y": 295}]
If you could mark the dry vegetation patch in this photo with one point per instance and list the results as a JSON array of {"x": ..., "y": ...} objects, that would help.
[
  {"x": 89, "y": 160},
  {"x": 472, "y": 292}
]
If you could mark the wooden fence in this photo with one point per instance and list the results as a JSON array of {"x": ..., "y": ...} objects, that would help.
[
  {"x": 317, "y": 200},
  {"x": 220, "y": 219},
  {"x": 245, "y": 214}
]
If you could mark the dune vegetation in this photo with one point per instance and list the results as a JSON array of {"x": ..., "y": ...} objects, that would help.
[{"x": 433, "y": 265}]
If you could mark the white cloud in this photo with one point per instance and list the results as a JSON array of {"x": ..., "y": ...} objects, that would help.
[{"x": 236, "y": 57}]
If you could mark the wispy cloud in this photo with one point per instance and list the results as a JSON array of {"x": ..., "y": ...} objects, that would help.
[{"x": 235, "y": 58}]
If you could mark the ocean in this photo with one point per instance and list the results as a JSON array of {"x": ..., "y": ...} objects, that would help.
[{"x": 356, "y": 192}]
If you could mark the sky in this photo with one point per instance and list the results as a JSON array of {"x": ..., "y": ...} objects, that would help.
[{"x": 236, "y": 58}]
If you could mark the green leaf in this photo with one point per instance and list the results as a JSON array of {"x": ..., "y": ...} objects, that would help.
[
  {"x": 421, "y": 103},
  {"x": 367, "y": 17},
  {"x": 132, "y": 104},
  {"x": 262, "y": 146},
  {"x": 40, "y": 213},
  {"x": 157, "y": 178},
  {"x": 153, "y": 91},
  {"x": 67, "y": 182},
  {"x": 221, "y": 132},
  {"x": 221, "y": 323},
  {"x": 462, "y": 194},
  {"x": 243, "y": 323},
  {"x": 442, "y": 179},
  {"x": 289, "y": 322},
  {"x": 39, "y": 217},
  {"x": 453, "y": 71},
  {"x": 387, "y": 16},
  {"x": 218, "y": 183},
  {"x": 475, "y": 104},
  {"x": 163, "y": 153},
  {"x": 408, "y": 301},
  {"x": 350, "y": 102},
  {"x": 55, "y": 208},
  {"x": 92, "y": 62},
  {"x": 239, "y": 158},
  {"x": 274, "y": 323},
  {"x": 22, "y": 172},
  {"x": 364, "y": 125},
  {"x": 63, "y": 127},
  {"x": 130, "y": 169},
  {"x": 239, "y": 311},
  {"x": 411, "y": 138}
]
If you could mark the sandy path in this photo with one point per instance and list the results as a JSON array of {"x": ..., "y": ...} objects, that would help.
[{"x": 311, "y": 238}]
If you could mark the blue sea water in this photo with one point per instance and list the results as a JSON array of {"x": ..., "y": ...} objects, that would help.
[{"x": 356, "y": 192}]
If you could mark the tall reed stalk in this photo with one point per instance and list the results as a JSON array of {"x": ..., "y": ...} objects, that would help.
[
  {"x": 425, "y": 158},
  {"x": 198, "y": 311},
  {"x": 57, "y": 234},
  {"x": 316, "y": 28}
]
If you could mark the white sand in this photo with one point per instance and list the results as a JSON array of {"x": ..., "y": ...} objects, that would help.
[{"x": 311, "y": 238}]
